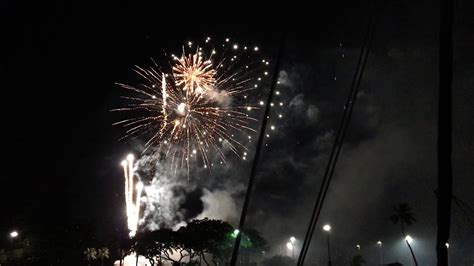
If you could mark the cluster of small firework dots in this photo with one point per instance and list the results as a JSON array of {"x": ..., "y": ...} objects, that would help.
[{"x": 202, "y": 105}]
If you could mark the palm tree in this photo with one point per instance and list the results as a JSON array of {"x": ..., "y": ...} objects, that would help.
[
  {"x": 103, "y": 254},
  {"x": 357, "y": 260},
  {"x": 90, "y": 254},
  {"x": 404, "y": 216}
]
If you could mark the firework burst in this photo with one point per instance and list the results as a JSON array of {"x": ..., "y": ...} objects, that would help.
[{"x": 196, "y": 105}]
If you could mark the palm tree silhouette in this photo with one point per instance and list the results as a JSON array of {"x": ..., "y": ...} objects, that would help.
[
  {"x": 90, "y": 254},
  {"x": 404, "y": 216}
]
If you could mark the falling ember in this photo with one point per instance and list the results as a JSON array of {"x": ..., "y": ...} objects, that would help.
[
  {"x": 132, "y": 203},
  {"x": 196, "y": 105}
]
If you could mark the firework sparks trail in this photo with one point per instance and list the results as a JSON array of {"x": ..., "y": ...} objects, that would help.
[
  {"x": 196, "y": 107},
  {"x": 132, "y": 207}
]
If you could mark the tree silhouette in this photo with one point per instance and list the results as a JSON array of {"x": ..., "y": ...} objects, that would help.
[
  {"x": 357, "y": 260},
  {"x": 205, "y": 239},
  {"x": 403, "y": 215},
  {"x": 278, "y": 260},
  {"x": 103, "y": 254},
  {"x": 90, "y": 254}
]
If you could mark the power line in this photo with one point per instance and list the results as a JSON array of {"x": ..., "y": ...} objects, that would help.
[{"x": 342, "y": 129}]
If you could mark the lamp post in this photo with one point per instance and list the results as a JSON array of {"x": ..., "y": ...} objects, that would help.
[
  {"x": 293, "y": 241},
  {"x": 290, "y": 247},
  {"x": 447, "y": 251},
  {"x": 379, "y": 244},
  {"x": 327, "y": 228}
]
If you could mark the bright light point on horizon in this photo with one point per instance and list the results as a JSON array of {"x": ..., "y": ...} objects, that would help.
[
  {"x": 124, "y": 163},
  {"x": 272, "y": 127},
  {"x": 447, "y": 245},
  {"x": 190, "y": 43},
  {"x": 379, "y": 243},
  {"x": 255, "y": 48},
  {"x": 409, "y": 239},
  {"x": 327, "y": 228},
  {"x": 292, "y": 239},
  {"x": 236, "y": 46},
  {"x": 249, "y": 108},
  {"x": 262, "y": 103},
  {"x": 289, "y": 246},
  {"x": 130, "y": 157},
  {"x": 14, "y": 234},
  {"x": 280, "y": 116}
]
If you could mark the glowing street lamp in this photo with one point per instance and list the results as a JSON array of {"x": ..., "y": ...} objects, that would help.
[
  {"x": 409, "y": 239},
  {"x": 235, "y": 233},
  {"x": 379, "y": 244},
  {"x": 358, "y": 247},
  {"x": 327, "y": 228},
  {"x": 13, "y": 234},
  {"x": 292, "y": 240}
]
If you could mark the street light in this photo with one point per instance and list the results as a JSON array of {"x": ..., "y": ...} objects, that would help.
[
  {"x": 409, "y": 239},
  {"x": 235, "y": 233},
  {"x": 292, "y": 244},
  {"x": 292, "y": 239},
  {"x": 327, "y": 228},
  {"x": 447, "y": 253},
  {"x": 290, "y": 247},
  {"x": 379, "y": 243},
  {"x": 358, "y": 247},
  {"x": 13, "y": 234}
]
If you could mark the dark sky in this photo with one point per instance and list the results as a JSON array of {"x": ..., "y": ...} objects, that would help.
[{"x": 61, "y": 152}]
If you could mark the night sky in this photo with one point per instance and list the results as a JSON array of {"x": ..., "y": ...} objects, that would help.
[{"x": 61, "y": 153}]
